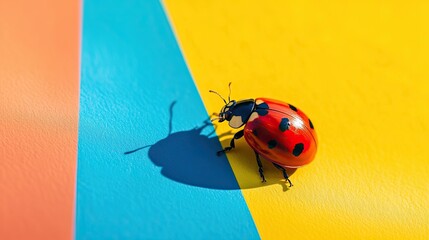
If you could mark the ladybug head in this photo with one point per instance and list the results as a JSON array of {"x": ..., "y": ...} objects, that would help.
[
  {"x": 236, "y": 113},
  {"x": 226, "y": 112}
]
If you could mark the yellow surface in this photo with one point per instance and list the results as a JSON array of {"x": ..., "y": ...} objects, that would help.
[{"x": 360, "y": 71}]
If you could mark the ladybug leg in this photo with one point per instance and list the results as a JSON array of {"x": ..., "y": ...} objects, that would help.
[
  {"x": 261, "y": 171},
  {"x": 237, "y": 135},
  {"x": 284, "y": 173}
]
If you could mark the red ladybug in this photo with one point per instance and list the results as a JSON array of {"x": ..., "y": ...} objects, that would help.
[{"x": 275, "y": 130}]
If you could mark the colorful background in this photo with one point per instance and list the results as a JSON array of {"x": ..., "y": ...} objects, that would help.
[{"x": 104, "y": 108}]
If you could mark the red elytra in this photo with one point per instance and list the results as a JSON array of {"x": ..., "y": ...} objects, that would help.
[{"x": 285, "y": 135}]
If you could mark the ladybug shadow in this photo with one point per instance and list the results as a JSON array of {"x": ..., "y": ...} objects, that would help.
[{"x": 189, "y": 157}]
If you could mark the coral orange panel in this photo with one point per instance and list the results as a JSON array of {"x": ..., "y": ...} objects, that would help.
[{"x": 39, "y": 92}]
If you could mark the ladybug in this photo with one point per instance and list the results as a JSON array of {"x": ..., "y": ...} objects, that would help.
[{"x": 275, "y": 130}]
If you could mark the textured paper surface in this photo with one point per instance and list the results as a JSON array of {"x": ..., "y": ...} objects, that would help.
[
  {"x": 359, "y": 71},
  {"x": 39, "y": 93},
  {"x": 137, "y": 96}
]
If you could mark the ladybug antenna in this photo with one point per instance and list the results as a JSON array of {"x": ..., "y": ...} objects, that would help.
[
  {"x": 219, "y": 96},
  {"x": 229, "y": 95}
]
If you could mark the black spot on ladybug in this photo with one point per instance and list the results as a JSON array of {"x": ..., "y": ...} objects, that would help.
[
  {"x": 284, "y": 124},
  {"x": 297, "y": 150},
  {"x": 262, "y": 112},
  {"x": 293, "y": 107},
  {"x": 262, "y": 105},
  {"x": 272, "y": 144},
  {"x": 255, "y": 132},
  {"x": 262, "y": 109},
  {"x": 311, "y": 124}
]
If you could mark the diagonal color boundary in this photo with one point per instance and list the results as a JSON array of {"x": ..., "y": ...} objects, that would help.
[{"x": 137, "y": 97}]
